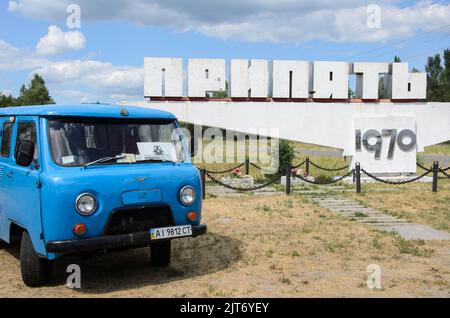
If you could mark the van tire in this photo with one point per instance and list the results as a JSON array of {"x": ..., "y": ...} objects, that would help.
[
  {"x": 160, "y": 254},
  {"x": 36, "y": 271}
]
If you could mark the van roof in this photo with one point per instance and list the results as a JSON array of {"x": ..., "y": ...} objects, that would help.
[{"x": 86, "y": 110}]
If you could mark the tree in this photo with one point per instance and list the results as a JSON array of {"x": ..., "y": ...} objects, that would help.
[
  {"x": 397, "y": 59},
  {"x": 36, "y": 93},
  {"x": 434, "y": 71},
  {"x": 445, "y": 76},
  {"x": 6, "y": 100},
  {"x": 221, "y": 94},
  {"x": 381, "y": 89},
  {"x": 351, "y": 93},
  {"x": 286, "y": 155}
]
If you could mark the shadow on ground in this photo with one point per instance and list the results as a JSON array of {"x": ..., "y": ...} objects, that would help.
[{"x": 131, "y": 269}]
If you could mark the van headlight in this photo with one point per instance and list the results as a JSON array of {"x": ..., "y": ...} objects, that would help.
[
  {"x": 86, "y": 204},
  {"x": 187, "y": 195}
]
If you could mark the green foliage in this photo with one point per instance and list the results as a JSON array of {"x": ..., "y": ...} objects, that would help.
[
  {"x": 221, "y": 94},
  {"x": 6, "y": 100},
  {"x": 36, "y": 93},
  {"x": 323, "y": 178},
  {"x": 381, "y": 90},
  {"x": 438, "y": 78},
  {"x": 286, "y": 155},
  {"x": 351, "y": 93}
]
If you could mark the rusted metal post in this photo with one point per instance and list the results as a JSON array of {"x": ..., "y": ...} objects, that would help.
[
  {"x": 435, "y": 176},
  {"x": 203, "y": 176},
  {"x": 358, "y": 177},
  {"x": 307, "y": 166},
  {"x": 247, "y": 166},
  {"x": 288, "y": 181}
]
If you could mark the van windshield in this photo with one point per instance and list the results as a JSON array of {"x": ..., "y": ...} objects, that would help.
[{"x": 78, "y": 142}]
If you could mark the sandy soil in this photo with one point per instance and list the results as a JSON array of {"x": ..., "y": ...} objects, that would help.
[{"x": 257, "y": 246}]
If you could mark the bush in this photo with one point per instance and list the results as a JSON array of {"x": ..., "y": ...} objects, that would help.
[
  {"x": 323, "y": 179},
  {"x": 286, "y": 155}
]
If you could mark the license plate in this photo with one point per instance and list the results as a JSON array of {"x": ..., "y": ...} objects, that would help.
[{"x": 170, "y": 232}]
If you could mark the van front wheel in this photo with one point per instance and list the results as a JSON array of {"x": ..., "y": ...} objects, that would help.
[
  {"x": 160, "y": 254},
  {"x": 36, "y": 271}
]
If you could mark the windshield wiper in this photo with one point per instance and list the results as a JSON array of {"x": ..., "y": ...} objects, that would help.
[
  {"x": 103, "y": 160},
  {"x": 154, "y": 160}
]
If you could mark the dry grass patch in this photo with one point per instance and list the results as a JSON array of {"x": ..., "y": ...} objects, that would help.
[
  {"x": 412, "y": 202},
  {"x": 259, "y": 246}
]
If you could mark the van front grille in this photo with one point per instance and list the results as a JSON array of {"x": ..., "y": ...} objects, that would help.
[{"x": 138, "y": 219}]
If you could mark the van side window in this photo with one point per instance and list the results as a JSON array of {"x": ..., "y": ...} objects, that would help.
[
  {"x": 6, "y": 139},
  {"x": 27, "y": 132}
]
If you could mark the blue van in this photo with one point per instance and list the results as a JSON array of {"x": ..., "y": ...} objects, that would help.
[{"x": 90, "y": 178}]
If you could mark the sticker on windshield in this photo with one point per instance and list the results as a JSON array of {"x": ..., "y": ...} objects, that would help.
[
  {"x": 157, "y": 150},
  {"x": 67, "y": 160},
  {"x": 127, "y": 158}
]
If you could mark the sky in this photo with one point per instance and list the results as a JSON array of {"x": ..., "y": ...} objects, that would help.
[{"x": 89, "y": 51}]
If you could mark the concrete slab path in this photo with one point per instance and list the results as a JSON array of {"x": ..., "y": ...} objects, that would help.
[{"x": 380, "y": 221}]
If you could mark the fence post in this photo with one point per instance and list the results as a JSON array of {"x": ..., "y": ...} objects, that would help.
[
  {"x": 247, "y": 166},
  {"x": 203, "y": 176},
  {"x": 435, "y": 176},
  {"x": 288, "y": 181},
  {"x": 358, "y": 177},
  {"x": 307, "y": 166}
]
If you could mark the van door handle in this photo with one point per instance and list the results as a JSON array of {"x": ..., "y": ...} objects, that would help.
[{"x": 9, "y": 175}]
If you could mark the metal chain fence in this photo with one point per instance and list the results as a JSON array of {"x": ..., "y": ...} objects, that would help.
[
  {"x": 394, "y": 182},
  {"x": 355, "y": 173},
  {"x": 326, "y": 182},
  {"x": 224, "y": 171},
  {"x": 327, "y": 169},
  {"x": 422, "y": 167},
  {"x": 443, "y": 171},
  {"x": 256, "y": 187}
]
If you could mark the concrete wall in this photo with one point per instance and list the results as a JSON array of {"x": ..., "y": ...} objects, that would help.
[
  {"x": 400, "y": 84},
  {"x": 205, "y": 75},
  {"x": 327, "y": 124},
  {"x": 290, "y": 79},
  {"x": 330, "y": 79},
  {"x": 249, "y": 75},
  {"x": 283, "y": 79},
  {"x": 163, "y": 77},
  {"x": 367, "y": 78}
]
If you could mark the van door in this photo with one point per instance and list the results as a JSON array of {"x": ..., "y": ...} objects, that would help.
[
  {"x": 6, "y": 127},
  {"x": 24, "y": 206}
]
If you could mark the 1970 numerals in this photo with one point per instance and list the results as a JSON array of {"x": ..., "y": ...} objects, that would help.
[{"x": 406, "y": 140}]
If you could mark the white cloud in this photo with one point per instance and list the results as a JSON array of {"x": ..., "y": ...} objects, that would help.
[
  {"x": 13, "y": 58},
  {"x": 288, "y": 21},
  {"x": 56, "y": 41},
  {"x": 96, "y": 77},
  {"x": 94, "y": 74}
]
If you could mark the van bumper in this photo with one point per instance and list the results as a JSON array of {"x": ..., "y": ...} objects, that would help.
[{"x": 110, "y": 241}]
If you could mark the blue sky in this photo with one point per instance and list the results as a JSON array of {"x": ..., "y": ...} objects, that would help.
[{"x": 102, "y": 60}]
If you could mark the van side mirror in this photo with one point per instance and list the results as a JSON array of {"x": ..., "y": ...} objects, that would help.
[
  {"x": 194, "y": 146},
  {"x": 25, "y": 153}
]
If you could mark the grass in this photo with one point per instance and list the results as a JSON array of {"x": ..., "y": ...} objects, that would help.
[
  {"x": 439, "y": 149},
  {"x": 256, "y": 173},
  {"x": 326, "y": 162},
  {"x": 413, "y": 247},
  {"x": 309, "y": 252},
  {"x": 413, "y": 202}
]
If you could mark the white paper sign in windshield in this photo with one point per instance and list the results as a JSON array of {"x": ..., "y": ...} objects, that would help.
[{"x": 156, "y": 151}]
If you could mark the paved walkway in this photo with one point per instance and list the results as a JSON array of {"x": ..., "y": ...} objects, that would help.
[{"x": 380, "y": 221}]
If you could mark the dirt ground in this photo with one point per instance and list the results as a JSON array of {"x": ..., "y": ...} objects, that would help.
[{"x": 257, "y": 246}]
